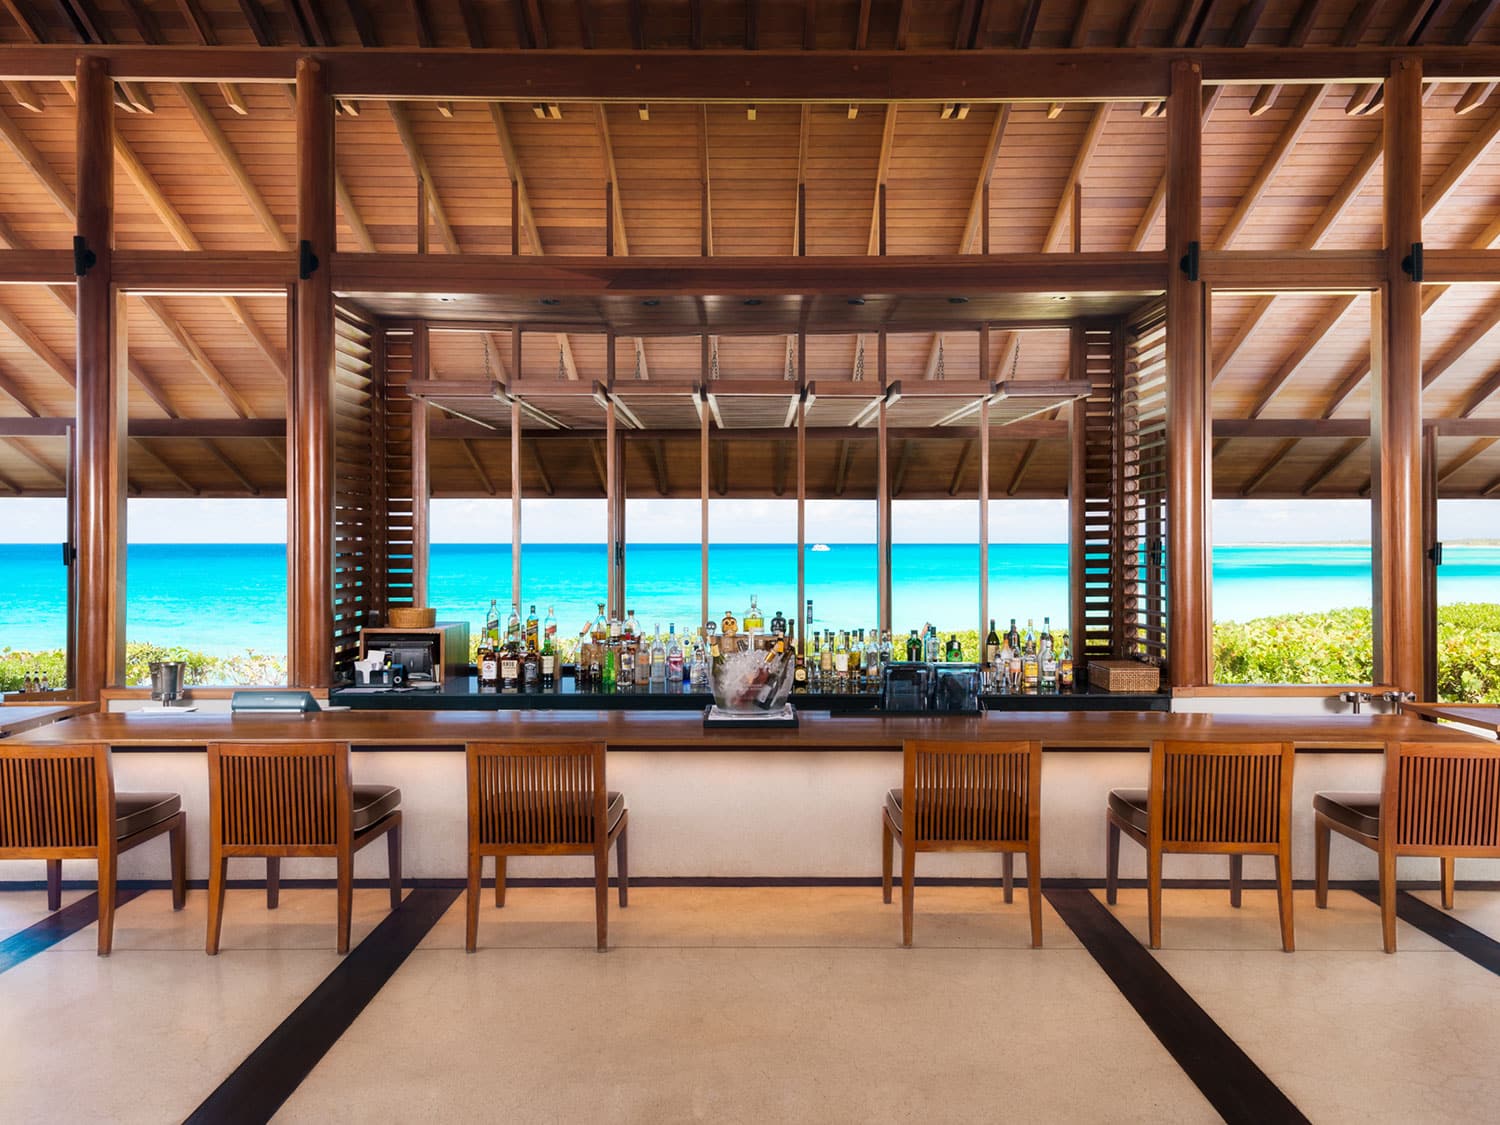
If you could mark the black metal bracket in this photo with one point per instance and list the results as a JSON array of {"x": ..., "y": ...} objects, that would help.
[
  {"x": 1435, "y": 553},
  {"x": 84, "y": 259},
  {"x": 307, "y": 261},
  {"x": 1412, "y": 263},
  {"x": 1189, "y": 263},
  {"x": 619, "y": 554},
  {"x": 69, "y": 553}
]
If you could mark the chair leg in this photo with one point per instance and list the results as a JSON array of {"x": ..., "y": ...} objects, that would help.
[
  {"x": 908, "y": 890},
  {"x": 1388, "y": 900},
  {"x": 601, "y": 895},
  {"x": 393, "y": 862},
  {"x": 471, "y": 900},
  {"x": 177, "y": 847},
  {"x": 1322, "y": 836},
  {"x": 1153, "y": 895},
  {"x": 54, "y": 884},
  {"x": 273, "y": 882},
  {"x": 346, "y": 898},
  {"x": 1284, "y": 896},
  {"x": 1008, "y": 878},
  {"x": 1236, "y": 879},
  {"x": 622, "y": 861},
  {"x": 500, "y": 880},
  {"x": 1034, "y": 892},
  {"x": 887, "y": 859},
  {"x": 108, "y": 870},
  {"x": 1112, "y": 863},
  {"x": 218, "y": 870},
  {"x": 1447, "y": 862}
]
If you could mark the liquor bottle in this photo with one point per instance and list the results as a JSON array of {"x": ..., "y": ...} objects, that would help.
[
  {"x": 1028, "y": 643},
  {"x": 887, "y": 648},
  {"x": 632, "y": 629},
  {"x": 513, "y": 629},
  {"x": 699, "y": 672},
  {"x": 841, "y": 663},
  {"x": 609, "y": 669},
  {"x": 1013, "y": 637},
  {"x": 754, "y": 622},
  {"x": 1065, "y": 666},
  {"x": 799, "y": 675},
  {"x": 616, "y": 630},
  {"x": 492, "y": 623},
  {"x": 875, "y": 660},
  {"x": 674, "y": 657},
  {"x": 596, "y": 667},
  {"x": 658, "y": 660},
  {"x": 510, "y": 669},
  {"x": 531, "y": 670},
  {"x": 930, "y": 645},
  {"x": 625, "y": 675},
  {"x": 44, "y": 686},
  {"x": 729, "y": 626},
  {"x": 600, "y": 629},
  {"x": 825, "y": 664},
  {"x": 533, "y": 631},
  {"x": 1047, "y": 657},
  {"x": 642, "y": 661},
  {"x": 778, "y": 625},
  {"x": 1030, "y": 669},
  {"x": 1000, "y": 666},
  {"x": 991, "y": 644},
  {"x": 549, "y": 653},
  {"x": 913, "y": 648},
  {"x": 768, "y": 674},
  {"x": 489, "y": 661},
  {"x": 954, "y": 652},
  {"x": 857, "y": 662}
]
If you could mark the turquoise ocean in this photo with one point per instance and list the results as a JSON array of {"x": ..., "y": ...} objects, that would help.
[{"x": 229, "y": 598}]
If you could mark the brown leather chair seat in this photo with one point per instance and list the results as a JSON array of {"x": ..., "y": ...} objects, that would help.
[
  {"x": 1357, "y": 811},
  {"x": 135, "y": 812},
  {"x": 893, "y": 805},
  {"x": 371, "y": 802},
  {"x": 1132, "y": 806}
]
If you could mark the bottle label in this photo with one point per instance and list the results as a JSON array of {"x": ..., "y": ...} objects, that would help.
[
  {"x": 510, "y": 669},
  {"x": 549, "y": 664},
  {"x": 841, "y": 662},
  {"x": 487, "y": 669}
]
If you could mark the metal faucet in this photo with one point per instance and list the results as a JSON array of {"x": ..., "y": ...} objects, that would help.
[
  {"x": 1396, "y": 698},
  {"x": 1356, "y": 698}
]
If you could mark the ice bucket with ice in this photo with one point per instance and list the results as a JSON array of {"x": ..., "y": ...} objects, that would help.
[{"x": 751, "y": 683}]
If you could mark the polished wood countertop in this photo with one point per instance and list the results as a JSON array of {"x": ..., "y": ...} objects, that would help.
[
  {"x": 624, "y": 730},
  {"x": 18, "y": 717},
  {"x": 1483, "y": 715}
]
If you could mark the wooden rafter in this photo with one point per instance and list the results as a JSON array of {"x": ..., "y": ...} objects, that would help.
[
  {"x": 1302, "y": 26},
  {"x": 541, "y": 469},
  {"x": 903, "y": 462},
  {"x": 10, "y": 387},
  {"x": 206, "y": 367},
  {"x": 1309, "y": 344},
  {"x": 1334, "y": 463},
  {"x": 478, "y": 465},
  {"x": 1275, "y": 160},
  {"x": 209, "y": 126},
  {"x": 36, "y": 459},
  {"x": 216, "y": 451},
  {"x": 166, "y": 466},
  {"x": 1091, "y": 137},
  {"x": 1158, "y": 203},
  {"x": 1267, "y": 466},
  {"x": 974, "y": 223},
  {"x": 1078, "y": 39},
  {"x": 414, "y": 155},
  {"x": 36, "y": 345},
  {"x": 91, "y": 29},
  {"x": 1450, "y": 470},
  {"x": 197, "y": 19}
]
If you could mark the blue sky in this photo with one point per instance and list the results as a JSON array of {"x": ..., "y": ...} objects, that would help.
[{"x": 264, "y": 521}]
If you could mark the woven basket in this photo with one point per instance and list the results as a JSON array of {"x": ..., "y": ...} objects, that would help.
[
  {"x": 1124, "y": 675},
  {"x": 412, "y": 617}
]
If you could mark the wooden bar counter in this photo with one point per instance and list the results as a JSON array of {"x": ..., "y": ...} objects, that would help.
[{"x": 742, "y": 804}]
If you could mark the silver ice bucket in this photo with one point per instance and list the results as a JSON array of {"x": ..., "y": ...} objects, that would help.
[{"x": 167, "y": 679}]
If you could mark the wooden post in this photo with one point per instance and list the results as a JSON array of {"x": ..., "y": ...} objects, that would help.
[
  {"x": 883, "y": 496},
  {"x": 1077, "y": 498},
  {"x": 609, "y": 219},
  {"x": 310, "y": 393},
  {"x": 1429, "y": 563},
  {"x": 421, "y": 216},
  {"x": 1189, "y": 465},
  {"x": 615, "y": 585},
  {"x": 984, "y": 491},
  {"x": 421, "y": 471},
  {"x": 800, "y": 635},
  {"x": 515, "y": 217},
  {"x": 516, "y": 356},
  {"x": 1396, "y": 400},
  {"x": 98, "y": 484},
  {"x": 703, "y": 503}
]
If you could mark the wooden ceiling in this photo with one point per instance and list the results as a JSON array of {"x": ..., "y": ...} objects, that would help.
[{"x": 211, "y": 167}]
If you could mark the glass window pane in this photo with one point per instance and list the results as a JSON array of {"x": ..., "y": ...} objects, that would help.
[{"x": 34, "y": 610}]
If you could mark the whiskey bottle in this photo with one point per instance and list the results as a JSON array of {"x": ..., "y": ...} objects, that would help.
[
  {"x": 510, "y": 669},
  {"x": 489, "y": 663},
  {"x": 549, "y": 654},
  {"x": 513, "y": 629},
  {"x": 533, "y": 634},
  {"x": 531, "y": 670}
]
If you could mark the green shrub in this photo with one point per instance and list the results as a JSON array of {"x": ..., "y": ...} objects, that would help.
[{"x": 250, "y": 667}]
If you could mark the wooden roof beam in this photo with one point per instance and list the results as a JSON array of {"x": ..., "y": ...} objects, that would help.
[
  {"x": 1259, "y": 476},
  {"x": 423, "y": 24},
  {"x": 1302, "y": 26},
  {"x": 1086, "y": 150},
  {"x": 90, "y": 29},
  {"x": 1334, "y": 463},
  {"x": 1158, "y": 201},
  {"x": 36, "y": 345},
  {"x": 37, "y": 164},
  {"x": 1275, "y": 160},
  {"x": 22, "y": 399},
  {"x": 199, "y": 358},
  {"x": 1028, "y": 454},
  {"x": 478, "y": 466},
  {"x": 903, "y": 463},
  {"x": 1409, "y": 30},
  {"x": 223, "y": 458},
  {"x": 423, "y": 172},
  {"x": 152, "y": 455},
  {"x": 208, "y": 125},
  {"x": 37, "y": 459},
  {"x": 197, "y": 19},
  {"x": 1481, "y": 394},
  {"x": 1294, "y": 362},
  {"x": 1078, "y": 39},
  {"x": 1450, "y": 470},
  {"x": 541, "y": 469},
  {"x": 1473, "y": 336}
]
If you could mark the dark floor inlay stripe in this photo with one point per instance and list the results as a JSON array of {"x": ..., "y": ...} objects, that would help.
[
  {"x": 260, "y": 1084},
  {"x": 1238, "y": 1089},
  {"x": 55, "y": 927},
  {"x": 1478, "y": 947}
]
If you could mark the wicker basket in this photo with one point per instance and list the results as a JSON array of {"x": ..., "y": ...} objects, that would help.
[
  {"x": 1124, "y": 675},
  {"x": 412, "y": 617}
]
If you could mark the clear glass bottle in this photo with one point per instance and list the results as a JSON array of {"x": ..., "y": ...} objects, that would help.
[
  {"x": 754, "y": 622},
  {"x": 841, "y": 663},
  {"x": 1047, "y": 657},
  {"x": 632, "y": 626},
  {"x": 930, "y": 645},
  {"x": 600, "y": 629},
  {"x": 674, "y": 657},
  {"x": 549, "y": 653},
  {"x": 625, "y": 677},
  {"x": 825, "y": 664},
  {"x": 658, "y": 660},
  {"x": 549, "y": 631}
]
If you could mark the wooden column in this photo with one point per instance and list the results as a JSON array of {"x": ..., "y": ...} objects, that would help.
[
  {"x": 801, "y": 634},
  {"x": 98, "y": 483},
  {"x": 517, "y": 355},
  {"x": 421, "y": 470},
  {"x": 1396, "y": 400},
  {"x": 614, "y": 490},
  {"x": 310, "y": 394},
  {"x": 984, "y": 493},
  {"x": 1429, "y": 563},
  {"x": 703, "y": 500},
  {"x": 883, "y": 496},
  {"x": 1077, "y": 497},
  {"x": 1189, "y": 457}
]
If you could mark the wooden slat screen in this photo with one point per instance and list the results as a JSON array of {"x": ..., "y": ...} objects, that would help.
[
  {"x": 399, "y": 513},
  {"x": 49, "y": 801},
  {"x": 359, "y": 487},
  {"x": 1142, "y": 609},
  {"x": 972, "y": 797},
  {"x": 1446, "y": 800},
  {"x": 1098, "y": 585}
]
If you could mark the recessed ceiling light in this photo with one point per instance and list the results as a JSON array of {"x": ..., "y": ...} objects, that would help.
[
  {"x": 958, "y": 300},
  {"x": 1059, "y": 298},
  {"x": 551, "y": 301},
  {"x": 856, "y": 300},
  {"x": 651, "y": 302},
  {"x": 752, "y": 301},
  {"x": 447, "y": 298}
]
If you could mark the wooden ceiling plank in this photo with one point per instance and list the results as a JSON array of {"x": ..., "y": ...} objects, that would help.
[
  {"x": 1275, "y": 160},
  {"x": 255, "y": 17},
  {"x": 1059, "y": 227},
  {"x": 217, "y": 453},
  {"x": 656, "y": 453},
  {"x": 478, "y": 466},
  {"x": 1456, "y": 172},
  {"x": 903, "y": 463},
  {"x": 423, "y": 25},
  {"x": 1467, "y": 26},
  {"x": 621, "y": 237},
  {"x": 541, "y": 469},
  {"x": 1476, "y": 95},
  {"x": 312, "y": 22},
  {"x": 23, "y": 400},
  {"x": 1077, "y": 39},
  {"x": 200, "y": 360},
  {"x": 37, "y": 459},
  {"x": 1473, "y": 336},
  {"x": 419, "y": 165},
  {"x": 1481, "y": 394},
  {"x": 1334, "y": 463},
  {"x": 1450, "y": 470},
  {"x": 974, "y": 222},
  {"x": 1267, "y": 466},
  {"x": 1028, "y": 454},
  {"x": 152, "y": 455},
  {"x": 36, "y": 345},
  {"x": 1309, "y": 343},
  {"x": 1158, "y": 201},
  {"x": 842, "y": 459},
  {"x": 25, "y": 95},
  {"x": 209, "y": 126},
  {"x": 197, "y": 19},
  {"x": 37, "y": 164}
]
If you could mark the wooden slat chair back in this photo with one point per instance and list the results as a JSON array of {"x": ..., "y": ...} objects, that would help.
[
  {"x": 276, "y": 800},
  {"x": 1219, "y": 798},
  {"x": 59, "y": 802},
  {"x": 1438, "y": 800},
  {"x": 543, "y": 799},
  {"x": 966, "y": 797}
]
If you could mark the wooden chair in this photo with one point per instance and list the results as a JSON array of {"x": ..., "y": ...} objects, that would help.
[
  {"x": 1219, "y": 798},
  {"x": 59, "y": 802},
  {"x": 966, "y": 797},
  {"x": 294, "y": 799},
  {"x": 1438, "y": 799},
  {"x": 543, "y": 799}
]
